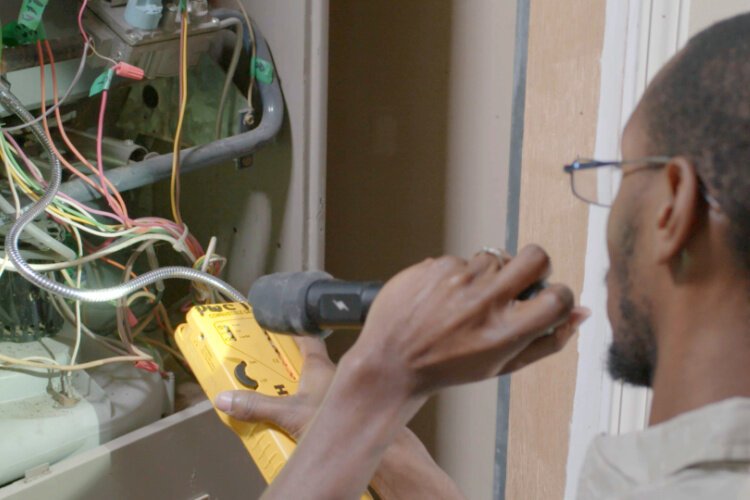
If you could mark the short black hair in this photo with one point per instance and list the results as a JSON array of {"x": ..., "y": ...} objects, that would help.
[{"x": 699, "y": 107}]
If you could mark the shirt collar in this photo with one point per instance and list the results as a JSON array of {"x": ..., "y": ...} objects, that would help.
[{"x": 716, "y": 432}]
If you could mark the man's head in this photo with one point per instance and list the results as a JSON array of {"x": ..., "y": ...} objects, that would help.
[{"x": 677, "y": 227}]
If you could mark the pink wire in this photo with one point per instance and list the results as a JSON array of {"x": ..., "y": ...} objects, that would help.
[
  {"x": 174, "y": 229},
  {"x": 145, "y": 222},
  {"x": 38, "y": 176},
  {"x": 80, "y": 21},
  {"x": 100, "y": 156}
]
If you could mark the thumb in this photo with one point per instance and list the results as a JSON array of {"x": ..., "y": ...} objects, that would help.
[{"x": 251, "y": 406}]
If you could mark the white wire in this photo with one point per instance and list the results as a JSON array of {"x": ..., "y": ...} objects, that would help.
[
  {"x": 62, "y": 249},
  {"x": 209, "y": 253},
  {"x": 70, "y": 281},
  {"x": 39, "y": 255},
  {"x": 40, "y": 238},
  {"x": 114, "y": 248},
  {"x": 77, "y": 206},
  {"x": 101, "y": 234},
  {"x": 142, "y": 294},
  {"x": 42, "y": 359},
  {"x": 65, "y": 311},
  {"x": 77, "y": 345},
  {"x": 253, "y": 48},
  {"x": 10, "y": 361},
  {"x": 43, "y": 363},
  {"x": 62, "y": 100},
  {"x": 4, "y": 265},
  {"x": 13, "y": 192},
  {"x": 239, "y": 38}
]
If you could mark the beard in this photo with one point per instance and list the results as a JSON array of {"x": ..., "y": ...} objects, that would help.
[{"x": 632, "y": 354}]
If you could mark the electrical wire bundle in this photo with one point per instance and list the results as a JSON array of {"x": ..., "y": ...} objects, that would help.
[{"x": 100, "y": 233}]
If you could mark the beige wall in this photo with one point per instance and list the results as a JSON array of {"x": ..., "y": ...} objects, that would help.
[
  {"x": 562, "y": 97},
  {"x": 704, "y": 13},
  {"x": 419, "y": 119}
]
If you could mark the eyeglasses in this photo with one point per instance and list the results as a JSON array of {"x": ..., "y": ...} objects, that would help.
[{"x": 601, "y": 191}]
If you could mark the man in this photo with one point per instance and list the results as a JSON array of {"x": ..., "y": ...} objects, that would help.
[{"x": 679, "y": 246}]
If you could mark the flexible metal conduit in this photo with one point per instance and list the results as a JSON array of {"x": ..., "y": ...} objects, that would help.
[
  {"x": 155, "y": 169},
  {"x": 11, "y": 103}
]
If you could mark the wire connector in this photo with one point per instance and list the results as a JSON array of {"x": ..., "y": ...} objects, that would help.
[
  {"x": 31, "y": 14},
  {"x": 101, "y": 83},
  {"x": 125, "y": 70},
  {"x": 121, "y": 69},
  {"x": 148, "y": 366}
]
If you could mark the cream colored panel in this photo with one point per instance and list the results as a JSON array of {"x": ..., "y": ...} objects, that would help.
[
  {"x": 479, "y": 110},
  {"x": 269, "y": 217},
  {"x": 419, "y": 112}
]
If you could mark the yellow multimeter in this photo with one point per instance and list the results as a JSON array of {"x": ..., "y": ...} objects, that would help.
[{"x": 227, "y": 350}]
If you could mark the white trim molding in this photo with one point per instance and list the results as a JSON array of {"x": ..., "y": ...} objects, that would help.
[
  {"x": 663, "y": 29},
  {"x": 639, "y": 37}
]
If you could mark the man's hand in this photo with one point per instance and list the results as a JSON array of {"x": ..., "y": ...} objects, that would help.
[
  {"x": 439, "y": 323},
  {"x": 407, "y": 470},
  {"x": 291, "y": 413},
  {"x": 447, "y": 321}
]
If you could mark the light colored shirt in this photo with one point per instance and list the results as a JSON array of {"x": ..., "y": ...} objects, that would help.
[{"x": 702, "y": 454}]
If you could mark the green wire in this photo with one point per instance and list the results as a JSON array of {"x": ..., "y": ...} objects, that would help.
[
  {"x": 60, "y": 204},
  {"x": 32, "y": 182}
]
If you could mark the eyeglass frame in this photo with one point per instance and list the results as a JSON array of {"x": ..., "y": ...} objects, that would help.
[{"x": 646, "y": 162}]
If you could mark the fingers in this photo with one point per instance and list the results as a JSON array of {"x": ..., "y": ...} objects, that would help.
[
  {"x": 485, "y": 262},
  {"x": 531, "y": 265},
  {"x": 311, "y": 346},
  {"x": 548, "y": 344},
  {"x": 550, "y": 308},
  {"x": 251, "y": 406},
  {"x": 460, "y": 271},
  {"x": 490, "y": 280},
  {"x": 315, "y": 359}
]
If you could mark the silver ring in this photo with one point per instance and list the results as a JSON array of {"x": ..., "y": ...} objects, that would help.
[{"x": 500, "y": 254}]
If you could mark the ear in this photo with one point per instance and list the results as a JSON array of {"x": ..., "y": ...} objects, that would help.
[{"x": 678, "y": 210}]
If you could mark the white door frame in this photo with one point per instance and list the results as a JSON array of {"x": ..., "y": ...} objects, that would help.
[{"x": 639, "y": 37}]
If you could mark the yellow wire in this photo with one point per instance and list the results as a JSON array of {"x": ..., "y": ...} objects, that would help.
[
  {"x": 31, "y": 194},
  {"x": 18, "y": 181},
  {"x": 8, "y": 173},
  {"x": 180, "y": 120}
]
